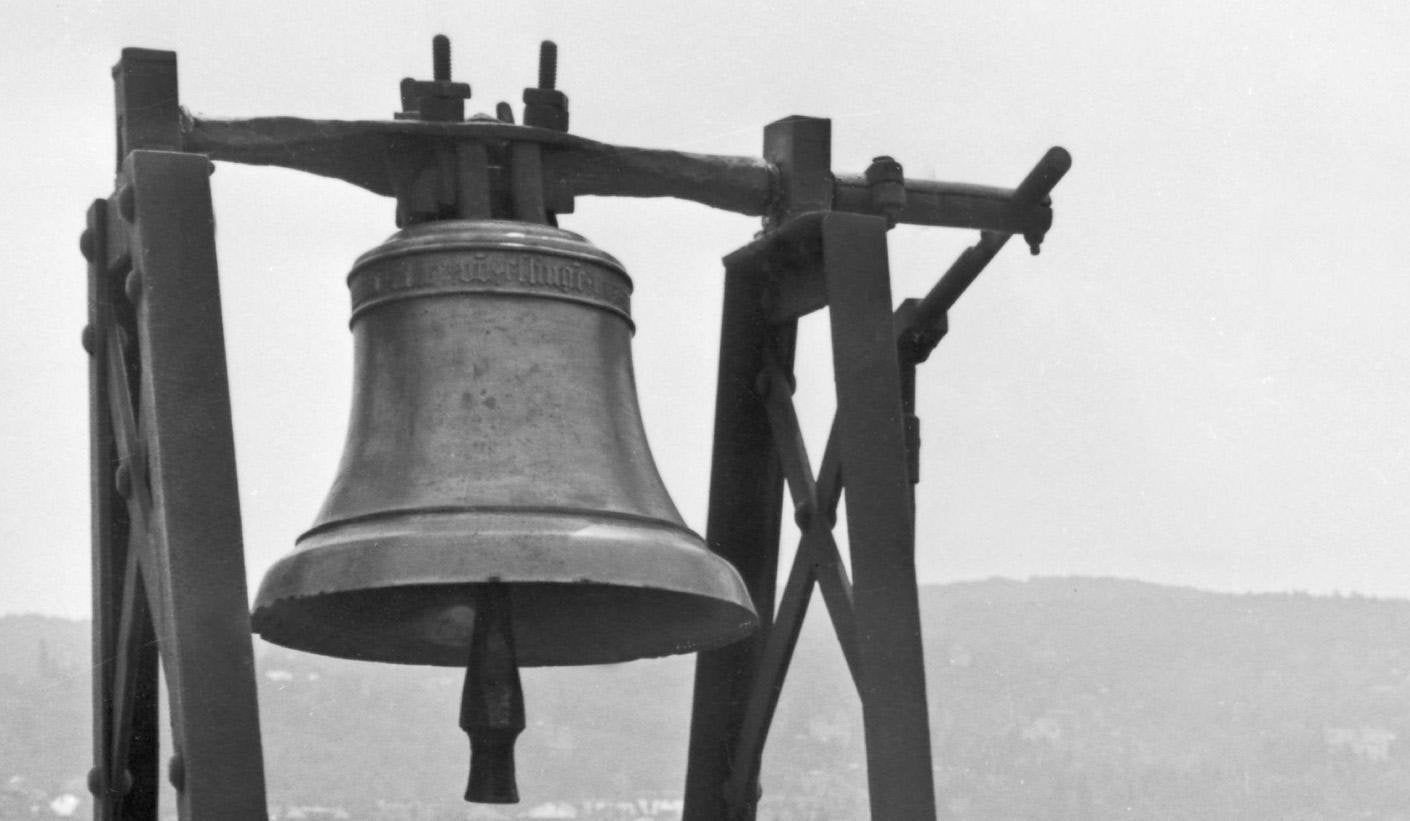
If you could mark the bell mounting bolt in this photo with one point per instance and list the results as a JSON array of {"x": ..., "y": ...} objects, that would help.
[
  {"x": 439, "y": 100},
  {"x": 546, "y": 106}
]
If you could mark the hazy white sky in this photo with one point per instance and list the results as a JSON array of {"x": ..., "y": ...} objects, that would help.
[{"x": 1204, "y": 379}]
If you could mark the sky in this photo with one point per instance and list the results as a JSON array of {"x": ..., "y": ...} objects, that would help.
[{"x": 1203, "y": 380}]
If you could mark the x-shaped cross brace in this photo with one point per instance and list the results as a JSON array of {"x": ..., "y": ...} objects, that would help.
[{"x": 839, "y": 261}]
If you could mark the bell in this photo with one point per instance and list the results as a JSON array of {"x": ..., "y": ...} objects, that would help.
[
  {"x": 496, "y": 475},
  {"x": 496, "y": 438}
]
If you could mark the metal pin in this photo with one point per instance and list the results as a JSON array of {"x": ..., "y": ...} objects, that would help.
[
  {"x": 122, "y": 480},
  {"x": 176, "y": 772},
  {"x": 127, "y": 202},
  {"x": 548, "y": 65},
  {"x": 440, "y": 58}
]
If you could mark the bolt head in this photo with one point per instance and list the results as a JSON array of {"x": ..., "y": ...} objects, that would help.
[
  {"x": 90, "y": 339},
  {"x": 127, "y": 202},
  {"x": 803, "y": 516},
  {"x": 176, "y": 772},
  {"x": 87, "y": 244},
  {"x": 132, "y": 285},
  {"x": 122, "y": 480},
  {"x": 884, "y": 169}
]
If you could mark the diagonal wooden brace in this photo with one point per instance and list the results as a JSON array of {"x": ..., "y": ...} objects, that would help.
[
  {"x": 817, "y": 557},
  {"x": 817, "y": 561},
  {"x": 134, "y": 670},
  {"x": 125, "y": 774}
]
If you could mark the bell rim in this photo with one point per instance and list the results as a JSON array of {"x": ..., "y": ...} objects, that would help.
[
  {"x": 744, "y": 622},
  {"x": 368, "y": 562}
]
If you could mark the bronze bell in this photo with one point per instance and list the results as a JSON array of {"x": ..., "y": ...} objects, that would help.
[{"x": 496, "y": 462}]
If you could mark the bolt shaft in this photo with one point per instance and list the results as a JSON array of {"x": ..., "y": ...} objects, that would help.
[
  {"x": 548, "y": 64},
  {"x": 440, "y": 58}
]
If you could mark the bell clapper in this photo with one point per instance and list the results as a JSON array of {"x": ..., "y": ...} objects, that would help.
[{"x": 492, "y": 702}]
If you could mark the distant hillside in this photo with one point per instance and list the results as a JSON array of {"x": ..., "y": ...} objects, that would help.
[{"x": 1052, "y": 698}]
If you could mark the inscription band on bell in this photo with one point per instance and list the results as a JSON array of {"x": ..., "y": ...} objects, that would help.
[{"x": 509, "y": 272}]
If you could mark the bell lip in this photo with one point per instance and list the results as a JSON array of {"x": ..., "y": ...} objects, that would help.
[
  {"x": 275, "y": 624},
  {"x": 350, "y": 566}
]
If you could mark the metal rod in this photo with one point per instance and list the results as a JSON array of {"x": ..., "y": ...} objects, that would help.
[
  {"x": 1035, "y": 188},
  {"x": 108, "y": 525},
  {"x": 133, "y": 631},
  {"x": 740, "y": 791},
  {"x": 957, "y": 278},
  {"x": 548, "y": 65},
  {"x": 440, "y": 58},
  {"x": 1040, "y": 182}
]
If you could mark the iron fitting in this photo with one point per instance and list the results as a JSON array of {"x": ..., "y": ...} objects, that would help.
[
  {"x": 803, "y": 515},
  {"x": 887, "y": 182},
  {"x": 176, "y": 772},
  {"x": 127, "y": 202}
]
